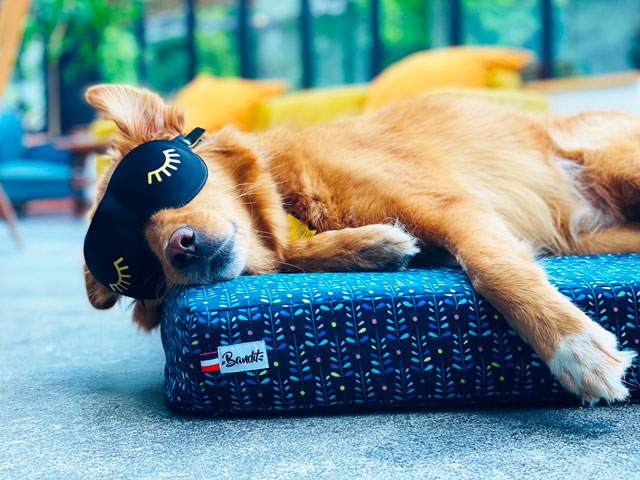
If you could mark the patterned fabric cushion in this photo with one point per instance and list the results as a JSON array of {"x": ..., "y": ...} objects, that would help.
[{"x": 344, "y": 341}]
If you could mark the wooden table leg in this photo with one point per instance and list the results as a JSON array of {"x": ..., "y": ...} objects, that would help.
[{"x": 8, "y": 213}]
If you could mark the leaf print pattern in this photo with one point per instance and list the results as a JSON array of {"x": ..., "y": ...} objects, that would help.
[{"x": 340, "y": 341}]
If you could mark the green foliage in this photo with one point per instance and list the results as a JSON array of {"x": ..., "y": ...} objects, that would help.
[
  {"x": 216, "y": 44},
  {"x": 118, "y": 55},
  {"x": 404, "y": 28},
  {"x": 91, "y": 30},
  {"x": 502, "y": 22},
  {"x": 167, "y": 66}
]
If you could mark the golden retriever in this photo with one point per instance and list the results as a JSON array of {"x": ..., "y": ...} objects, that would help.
[{"x": 493, "y": 186}]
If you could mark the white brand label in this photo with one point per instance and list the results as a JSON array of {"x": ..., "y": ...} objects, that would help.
[{"x": 243, "y": 357}]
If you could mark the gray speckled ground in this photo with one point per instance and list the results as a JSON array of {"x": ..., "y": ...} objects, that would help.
[{"x": 81, "y": 397}]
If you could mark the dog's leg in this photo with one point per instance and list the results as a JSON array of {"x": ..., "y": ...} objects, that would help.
[
  {"x": 621, "y": 239},
  {"x": 376, "y": 247},
  {"x": 581, "y": 354}
]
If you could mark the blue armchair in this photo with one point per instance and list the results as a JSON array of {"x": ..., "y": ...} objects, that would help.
[{"x": 31, "y": 173}]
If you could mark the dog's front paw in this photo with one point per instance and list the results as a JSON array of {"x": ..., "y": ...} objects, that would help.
[
  {"x": 590, "y": 365},
  {"x": 385, "y": 248}
]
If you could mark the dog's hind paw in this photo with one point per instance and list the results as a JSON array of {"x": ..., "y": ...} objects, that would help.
[{"x": 590, "y": 365}]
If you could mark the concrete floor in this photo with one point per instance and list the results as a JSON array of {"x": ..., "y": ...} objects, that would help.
[{"x": 81, "y": 397}]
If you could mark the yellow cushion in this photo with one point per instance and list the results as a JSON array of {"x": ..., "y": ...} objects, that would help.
[
  {"x": 310, "y": 107},
  {"x": 524, "y": 99},
  {"x": 503, "y": 78},
  {"x": 438, "y": 68},
  {"x": 102, "y": 162},
  {"x": 103, "y": 128},
  {"x": 212, "y": 102}
]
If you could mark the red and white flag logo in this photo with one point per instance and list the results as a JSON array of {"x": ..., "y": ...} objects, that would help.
[{"x": 209, "y": 362}]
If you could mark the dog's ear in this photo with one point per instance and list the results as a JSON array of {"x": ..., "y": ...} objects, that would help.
[
  {"x": 238, "y": 157},
  {"x": 254, "y": 183},
  {"x": 99, "y": 296},
  {"x": 140, "y": 114},
  {"x": 146, "y": 313}
]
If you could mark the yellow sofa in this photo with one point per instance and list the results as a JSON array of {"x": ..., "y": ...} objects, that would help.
[
  {"x": 491, "y": 73},
  {"x": 310, "y": 107}
]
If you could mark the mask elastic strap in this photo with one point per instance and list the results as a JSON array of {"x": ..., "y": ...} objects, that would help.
[{"x": 193, "y": 137}]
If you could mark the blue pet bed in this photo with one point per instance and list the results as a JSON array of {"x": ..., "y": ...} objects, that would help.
[{"x": 345, "y": 341}]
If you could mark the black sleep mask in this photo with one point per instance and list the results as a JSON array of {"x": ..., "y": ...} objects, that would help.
[{"x": 153, "y": 176}]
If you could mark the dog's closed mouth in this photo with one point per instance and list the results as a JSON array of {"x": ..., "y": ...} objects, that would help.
[
  {"x": 199, "y": 256},
  {"x": 222, "y": 257}
]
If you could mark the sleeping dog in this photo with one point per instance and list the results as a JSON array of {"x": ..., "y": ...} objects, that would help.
[{"x": 493, "y": 186}]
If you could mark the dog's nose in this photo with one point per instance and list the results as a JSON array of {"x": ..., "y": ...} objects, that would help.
[{"x": 181, "y": 248}]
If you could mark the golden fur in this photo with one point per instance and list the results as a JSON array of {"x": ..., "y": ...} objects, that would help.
[{"x": 493, "y": 186}]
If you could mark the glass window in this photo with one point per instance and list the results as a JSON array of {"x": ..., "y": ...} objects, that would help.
[
  {"x": 404, "y": 28},
  {"x": 167, "y": 58},
  {"x": 25, "y": 91},
  {"x": 341, "y": 40},
  {"x": 276, "y": 36},
  {"x": 438, "y": 23},
  {"x": 509, "y": 23},
  {"x": 596, "y": 36},
  {"x": 216, "y": 37},
  {"x": 512, "y": 23}
]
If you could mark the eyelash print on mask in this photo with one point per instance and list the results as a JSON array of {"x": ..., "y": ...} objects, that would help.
[
  {"x": 121, "y": 285},
  {"x": 170, "y": 157}
]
